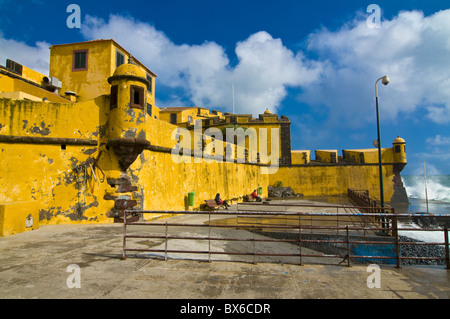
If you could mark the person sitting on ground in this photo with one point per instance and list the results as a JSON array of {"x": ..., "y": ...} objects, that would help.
[
  {"x": 219, "y": 201},
  {"x": 254, "y": 195}
]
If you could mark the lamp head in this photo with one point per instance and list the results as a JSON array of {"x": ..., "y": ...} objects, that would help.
[{"x": 385, "y": 80}]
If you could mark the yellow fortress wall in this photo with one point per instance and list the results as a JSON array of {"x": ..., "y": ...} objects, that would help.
[
  {"x": 18, "y": 217},
  {"x": 41, "y": 145},
  {"x": 165, "y": 183},
  {"x": 58, "y": 163},
  {"x": 334, "y": 180}
]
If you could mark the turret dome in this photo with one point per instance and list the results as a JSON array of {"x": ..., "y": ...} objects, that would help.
[
  {"x": 399, "y": 140},
  {"x": 129, "y": 71}
]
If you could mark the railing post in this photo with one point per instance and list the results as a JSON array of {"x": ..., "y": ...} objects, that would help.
[
  {"x": 348, "y": 246},
  {"x": 337, "y": 220},
  {"x": 254, "y": 245},
  {"x": 447, "y": 255},
  {"x": 209, "y": 237},
  {"x": 300, "y": 237},
  {"x": 165, "y": 248},
  {"x": 124, "y": 256},
  {"x": 397, "y": 246}
]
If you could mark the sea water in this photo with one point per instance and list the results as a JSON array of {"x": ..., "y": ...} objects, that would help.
[
  {"x": 433, "y": 199},
  {"x": 436, "y": 194}
]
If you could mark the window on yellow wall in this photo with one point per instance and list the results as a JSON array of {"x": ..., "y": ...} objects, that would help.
[
  {"x": 173, "y": 118},
  {"x": 80, "y": 60},
  {"x": 137, "y": 97},
  {"x": 113, "y": 97},
  {"x": 149, "y": 109},
  {"x": 150, "y": 79},
  {"x": 120, "y": 58}
]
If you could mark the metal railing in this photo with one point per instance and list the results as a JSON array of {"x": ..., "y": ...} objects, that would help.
[
  {"x": 340, "y": 233},
  {"x": 362, "y": 199}
]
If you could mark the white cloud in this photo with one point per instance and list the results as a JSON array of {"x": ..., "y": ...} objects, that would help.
[
  {"x": 35, "y": 57},
  {"x": 264, "y": 71},
  {"x": 438, "y": 140},
  {"x": 339, "y": 83},
  {"x": 411, "y": 48}
]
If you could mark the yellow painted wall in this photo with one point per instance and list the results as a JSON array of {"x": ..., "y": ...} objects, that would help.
[
  {"x": 300, "y": 157},
  {"x": 46, "y": 174},
  {"x": 18, "y": 217},
  {"x": 28, "y": 118},
  {"x": 32, "y": 75},
  {"x": 91, "y": 83},
  {"x": 329, "y": 180},
  {"x": 166, "y": 183},
  {"x": 327, "y": 156},
  {"x": 370, "y": 155},
  {"x": 260, "y": 141},
  {"x": 182, "y": 115},
  {"x": 16, "y": 88},
  {"x": 86, "y": 84}
]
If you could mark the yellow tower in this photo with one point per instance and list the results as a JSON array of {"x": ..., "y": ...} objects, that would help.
[
  {"x": 127, "y": 103},
  {"x": 126, "y": 132},
  {"x": 399, "y": 145}
]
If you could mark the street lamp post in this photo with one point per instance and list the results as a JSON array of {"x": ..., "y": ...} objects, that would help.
[{"x": 385, "y": 80}]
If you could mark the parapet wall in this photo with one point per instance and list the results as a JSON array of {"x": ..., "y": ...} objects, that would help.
[
  {"x": 56, "y": 156},
  {"x": 47, "y": 154},
  {"x": 330, "y": 180}
]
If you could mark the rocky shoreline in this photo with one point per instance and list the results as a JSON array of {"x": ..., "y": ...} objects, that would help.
[{"x": 420, "y": 251}]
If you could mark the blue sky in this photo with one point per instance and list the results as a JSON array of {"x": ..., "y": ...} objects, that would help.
[{"x": 313, "y": 61}]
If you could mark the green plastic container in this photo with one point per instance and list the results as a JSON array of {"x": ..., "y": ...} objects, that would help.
[
  {"x": 191, "y": 198},
  {"x": 259, "y": 190}
]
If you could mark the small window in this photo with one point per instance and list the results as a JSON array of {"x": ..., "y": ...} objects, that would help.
[
  {"x": 63, "y": 147},
  {"x": 80, "y": 60},
  {"x": 397, "y": 149},
  {"x": 120, "y": 58},
  {"x": 150, "y": 79},
  {"x": 149, "y": 109},
  {"x": 113, "y": 97},
  {"x": 137, "y": 97},
  {"x": 190, "y": 119},
  {"x": 173, "y": 118}
]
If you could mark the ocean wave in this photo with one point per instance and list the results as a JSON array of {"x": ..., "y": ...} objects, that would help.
[
  {"x": 425, "y": 236},
  {"x": 438, "y": 188}
]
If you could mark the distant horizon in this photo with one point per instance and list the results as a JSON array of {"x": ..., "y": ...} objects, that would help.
[{"x": 404, "y": 175}]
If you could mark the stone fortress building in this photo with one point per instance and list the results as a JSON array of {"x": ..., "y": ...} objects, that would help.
[{"x": 87, "y": 142}]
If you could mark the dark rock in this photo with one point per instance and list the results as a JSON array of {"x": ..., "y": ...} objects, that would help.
[
  {"x": 280, "y": 192},
  {"x": 420, "y": 251}
]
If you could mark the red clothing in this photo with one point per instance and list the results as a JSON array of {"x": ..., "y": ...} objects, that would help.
[{"x": 254, "y": 195}]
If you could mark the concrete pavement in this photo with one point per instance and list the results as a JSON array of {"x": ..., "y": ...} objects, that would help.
[{"x": 37, "y": 264}]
